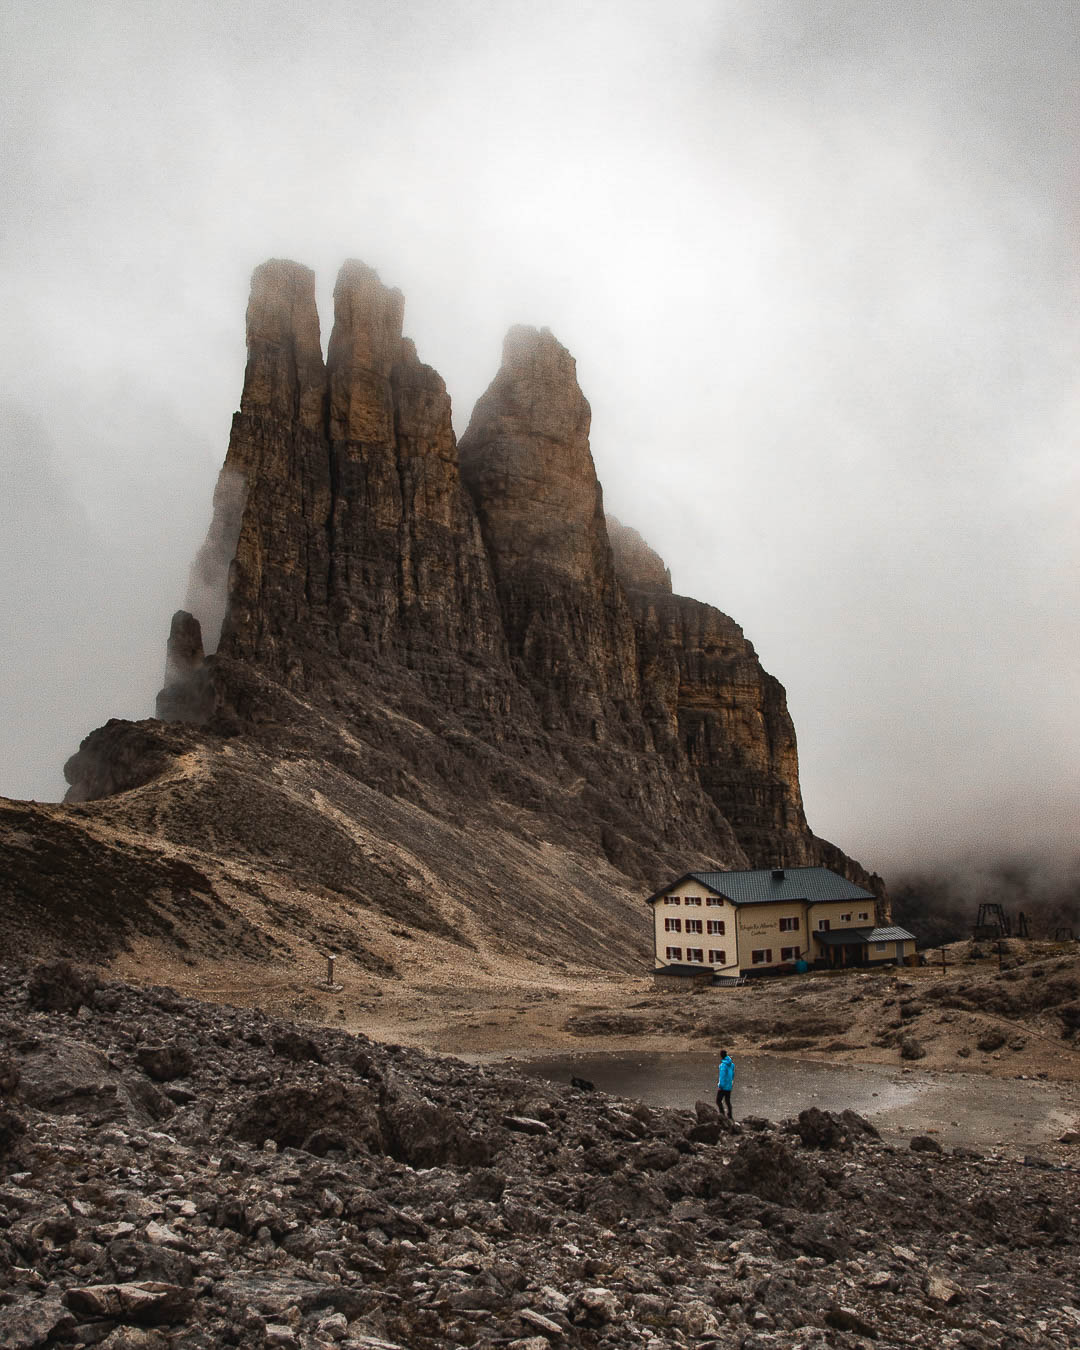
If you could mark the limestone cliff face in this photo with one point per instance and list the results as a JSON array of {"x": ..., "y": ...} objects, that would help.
[
  {"x": 279, "y": 563},
  {"x": 735, "y": 727},
  {"x": 731, "y": 720},
  {"x": 639, "y": 567},
  {"x": 425, "y": 649},
  {"x": 526, "y": 462},
  {"x": 728, "y": 715}
]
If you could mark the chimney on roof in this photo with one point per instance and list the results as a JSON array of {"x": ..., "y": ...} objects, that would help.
[{"x": 778, "y": 874}]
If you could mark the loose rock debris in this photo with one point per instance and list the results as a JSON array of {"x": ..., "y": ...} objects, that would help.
[{"x": 178, "y": 1174}]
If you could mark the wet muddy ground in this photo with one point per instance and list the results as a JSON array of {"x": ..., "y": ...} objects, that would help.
[{"x": 1014, "y": 1116}]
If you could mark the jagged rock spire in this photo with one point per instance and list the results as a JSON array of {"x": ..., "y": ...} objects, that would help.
[
  {"x": 341, "y": 531},
  {"x": 184, "y": 653},
  {"x": 285, "y": 376},
  {"x": 365, "y": 344},
  {"x": 526, "y": 461},
  {"x": 186, "y": 694}
]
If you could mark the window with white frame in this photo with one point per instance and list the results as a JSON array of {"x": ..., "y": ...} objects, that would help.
[
  {"x": 717, "y": 958},
  {"x": 789, "y": 925},
  {"x": 672, "y": 925},
  {"x": 695, "y": 954},
  {"x": 845, "y": 918},
  {"x": 823, "y": 925},
  {"x": 789, "y": 953},
  {"x": 693, "y": 925},
  {"x": 762, "y": 957},
  {"x": 674, "y": 953},
  {"x": 692, "y": 900},
  {"x": 672, "y": 899},
  {"x": 713, "y": 900},
  {"x": 715, "y": 926},
  {"x": 864, "y": 915},
  {"x": 882, "y": 946}
]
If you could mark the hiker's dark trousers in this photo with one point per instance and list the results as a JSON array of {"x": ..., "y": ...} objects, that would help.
[{"x": 723, "y": 1099}]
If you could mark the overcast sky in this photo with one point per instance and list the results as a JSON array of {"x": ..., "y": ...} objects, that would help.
[{"x": 817, "y": 262}]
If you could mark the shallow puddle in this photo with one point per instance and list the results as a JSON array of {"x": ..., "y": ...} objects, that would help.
[{"x": 982, "y": 1113}]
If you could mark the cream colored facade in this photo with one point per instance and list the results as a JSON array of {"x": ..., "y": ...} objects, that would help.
[
  {"x": 773, "y": 933},
  {"x": 892, "y": 949},
  {"x": 731, "y": 937},
  {"x": 841, "y": 914},
  {"x": 716, "y": 940}
]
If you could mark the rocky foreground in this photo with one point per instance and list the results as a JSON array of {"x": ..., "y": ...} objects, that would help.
[{"x": 174, "y": 1173}]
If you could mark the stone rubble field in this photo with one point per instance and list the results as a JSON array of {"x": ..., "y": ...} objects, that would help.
[{"x": 181, "y": 1174}]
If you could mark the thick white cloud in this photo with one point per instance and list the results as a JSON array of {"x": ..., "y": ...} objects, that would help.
[{"x": 816, "y": 262}]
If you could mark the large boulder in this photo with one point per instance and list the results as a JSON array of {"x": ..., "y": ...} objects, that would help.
[
  {"x": 58, "y": 986},
  {"x": 320, "y": 1118},
  {"x": 765, "y": 1166},
  {"x": 423, "y": 1134},
  {"x": 64, "y": 1076},
  {"x": 165, "y": 1062}
]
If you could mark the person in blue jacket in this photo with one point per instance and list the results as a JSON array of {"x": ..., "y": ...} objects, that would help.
[{"x": 725, "y": 1078}]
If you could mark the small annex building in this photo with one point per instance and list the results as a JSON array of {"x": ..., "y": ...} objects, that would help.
[{"x": 725, "y": 925}]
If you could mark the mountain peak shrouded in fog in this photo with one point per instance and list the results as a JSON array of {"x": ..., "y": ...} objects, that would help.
[
  {"x": 814, "y": 262},
  {"x": 440, "y": 697},
  {"x": 365, "y": 558}
]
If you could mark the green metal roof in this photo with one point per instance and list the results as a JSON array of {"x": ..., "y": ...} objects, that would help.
[
  {"x": 815, "y": 885},
  {"x": 795, "y": 883}
]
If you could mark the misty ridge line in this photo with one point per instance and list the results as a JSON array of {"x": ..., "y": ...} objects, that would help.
[{"x": 359, "y": 543}]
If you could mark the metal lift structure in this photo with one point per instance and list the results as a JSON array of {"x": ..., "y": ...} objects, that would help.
[{"x": 994, "y": 921}]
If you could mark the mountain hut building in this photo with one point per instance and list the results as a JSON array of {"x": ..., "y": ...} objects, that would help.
[{"x": 722, "y": 926}]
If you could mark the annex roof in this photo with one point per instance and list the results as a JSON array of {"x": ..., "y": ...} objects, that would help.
[
  {"x": 843, "y": 937},
  {"x": 855, "y": 937},
  {"x": 811, "y": 884}
]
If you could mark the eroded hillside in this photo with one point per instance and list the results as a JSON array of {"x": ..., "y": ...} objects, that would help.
[{"x": 443, "y": 708}]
